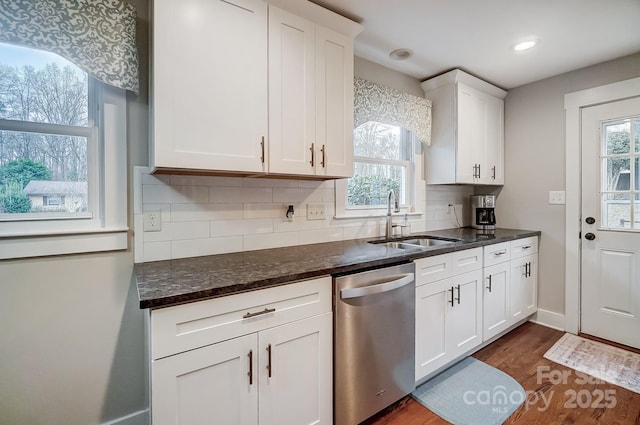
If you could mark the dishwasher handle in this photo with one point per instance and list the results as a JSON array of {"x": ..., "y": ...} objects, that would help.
[{"x": 400, "y": 281}]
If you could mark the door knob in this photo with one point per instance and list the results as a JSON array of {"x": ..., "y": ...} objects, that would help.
[
  {"x": 589, "y": 236},
  {"x": 590, "y": 220}
]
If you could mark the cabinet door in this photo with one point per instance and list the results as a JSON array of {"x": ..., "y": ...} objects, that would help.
[
  {"x": 496, "y": 300},
  {"x": 530, "y": 287},
  {"x": 432, "y": 304},
  {"x": 494, "y": 142},
  {"x": 517, "y": 289},
  {"x": 464, "y": 317},
  {"x": 296, "y": 370},
  {"x": 471, "y": 138},
  {"x": 209, "y": 84},
  {"x": 292, "y": 93},
  {"x": 334, "y": 103},
  {"x": 207, "y": 385}
]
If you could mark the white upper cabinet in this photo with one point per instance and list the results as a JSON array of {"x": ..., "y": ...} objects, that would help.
[
  {"x": 209, "y": 85},
  {"x": 310, "y": 98},
  {"x": 252, "y": 87},
  {"x": 467, "y": 142}
]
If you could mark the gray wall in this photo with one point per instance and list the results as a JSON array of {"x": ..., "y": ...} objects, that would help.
[
  {"x": 71, "y": 339},
  {"x": 535, "y": 164}
]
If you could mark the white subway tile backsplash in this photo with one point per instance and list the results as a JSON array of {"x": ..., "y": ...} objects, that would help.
[
  {"x": 225, "y": 195},
  {"x": 199, "y": 212},
  {"x": 270, "y": 240},
  {"x": 266, "y": 210},
  {"x": 207, "y": 215},
  {"x": 300, "y": 195},
  {"x": 322, "y": 235},
  {"x": 210, "y": 246},
  {"x": 241, "y": 227},
  {"x": 156, "y": 251},
  {"x": 158, "y": 194},
  {"x": 180, "y": 180}
]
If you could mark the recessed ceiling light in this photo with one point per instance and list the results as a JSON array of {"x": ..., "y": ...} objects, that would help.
[
  {"x": 401, "y": 54},
  {"x": 525, "y": 45}
]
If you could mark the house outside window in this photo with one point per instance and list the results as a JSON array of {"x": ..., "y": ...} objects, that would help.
[
  {"x": 62, "y": 155},
  {"x": 48, "y": 132}
]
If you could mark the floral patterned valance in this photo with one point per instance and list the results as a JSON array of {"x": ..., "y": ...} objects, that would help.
[
  {"x": 98, "y": 36},
  {"x": 375, "y": 102}
]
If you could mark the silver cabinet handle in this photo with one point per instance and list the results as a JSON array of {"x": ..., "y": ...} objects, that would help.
[
  {"x": 458, "y": 299},
  {"x": 398, "y": 282},
  {"x": 324, "y": 152},
  {"x": 451, "y": 296},
  {"x": 489, "y": 279},
  {"x": 493, "y": 175},
  {"x": 250, "y": 355},
  {"x": 526, "y": 247},
  {"x": 259, "y": 313},
  {"x": 313, "y": 152},
  {"x": 499, "y": 253}
]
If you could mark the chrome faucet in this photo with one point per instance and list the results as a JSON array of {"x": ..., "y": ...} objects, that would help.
[{"x": 390, "y": 226}]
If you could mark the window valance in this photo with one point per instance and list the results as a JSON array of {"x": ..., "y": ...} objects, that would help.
[
  {"x": 375, "y": 102},
  {"x": 98, "y": 36}
]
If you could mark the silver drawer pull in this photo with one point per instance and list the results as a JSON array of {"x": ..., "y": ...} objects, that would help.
[
  {"x": 526, "y": 247},
  {"x": 499, "y": 253},
  {"x": 260, "y": 313}
]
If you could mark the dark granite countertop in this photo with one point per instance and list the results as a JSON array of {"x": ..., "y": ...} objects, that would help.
[{"x": 171, "y": 282}]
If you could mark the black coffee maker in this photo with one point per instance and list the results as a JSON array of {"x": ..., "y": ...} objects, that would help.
[{"x": 483, "y": 212}]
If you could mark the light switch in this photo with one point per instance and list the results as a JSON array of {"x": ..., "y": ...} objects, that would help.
[{"x": 557, "y": 197}]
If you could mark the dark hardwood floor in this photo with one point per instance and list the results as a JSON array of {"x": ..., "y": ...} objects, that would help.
[{"x": 519, "y": 354}]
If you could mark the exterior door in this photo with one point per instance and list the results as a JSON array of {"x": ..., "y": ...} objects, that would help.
[{"x": 610, "y": 286}]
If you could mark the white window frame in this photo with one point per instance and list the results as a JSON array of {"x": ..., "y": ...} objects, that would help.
[
  {"x": 343, "y": 210},
  {"x": 104, "y": 228}
]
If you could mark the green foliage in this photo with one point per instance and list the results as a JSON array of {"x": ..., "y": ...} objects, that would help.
[
  {"x": 13, "y": 200},
  {"x": 370, "y": 190},
  {"x": 618, "y": 142},
  {"x": 22, "y": 171}
]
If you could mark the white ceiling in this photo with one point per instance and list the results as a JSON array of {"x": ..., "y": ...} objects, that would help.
[{"x": 477, "y": 35}]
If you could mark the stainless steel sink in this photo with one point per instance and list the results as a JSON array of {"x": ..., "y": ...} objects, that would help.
[{"x": 416, "y": 243}]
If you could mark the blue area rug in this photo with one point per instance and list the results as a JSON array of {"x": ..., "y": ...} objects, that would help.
[{"x": 471, "y": 393}]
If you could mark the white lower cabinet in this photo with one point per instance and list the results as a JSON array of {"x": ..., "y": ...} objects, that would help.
[
  {"x": 279, "y": 373},
  {"x": 448, "y": 311},
  {"x": 524, "y": 285},
  {"x": 496, "y": 299}
]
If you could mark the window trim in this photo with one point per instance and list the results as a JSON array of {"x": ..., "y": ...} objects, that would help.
[{"x": 107, "y": 229}]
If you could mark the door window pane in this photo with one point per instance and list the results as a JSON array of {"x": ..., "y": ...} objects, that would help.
[
  {"x": 617, "y": 174},
  {"x": 617, "y": 136},
  {"x": 616, "y": 211},
  {"x": 636, "y": 133},
  {"x": 636, "y": 212},
  {"x": 42, "y": 173}
]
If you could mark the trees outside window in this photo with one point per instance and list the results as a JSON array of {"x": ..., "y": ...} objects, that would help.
[{"x": 45, "y": 127}]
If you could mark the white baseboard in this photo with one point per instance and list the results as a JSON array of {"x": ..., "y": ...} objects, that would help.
[
  {"x": 138, "y": 418},
  {"x": 549, "y": 319}
]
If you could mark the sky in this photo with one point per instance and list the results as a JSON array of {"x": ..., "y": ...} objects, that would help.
[{"x": 19, "y": 56}]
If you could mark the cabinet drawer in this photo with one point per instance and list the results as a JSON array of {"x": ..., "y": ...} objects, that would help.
[
  {"x": 188, "y": 326},
  {"x": 467, "y": 260},
  {"x": 497, "y": 253},
  {"x": 525, "y": 246},
  {"x": 432, "y": 269}
]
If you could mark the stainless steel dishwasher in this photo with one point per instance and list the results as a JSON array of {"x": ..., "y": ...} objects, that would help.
[{"x": 374, "y": 341}]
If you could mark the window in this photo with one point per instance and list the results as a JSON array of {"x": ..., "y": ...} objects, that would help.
[
  {"x": 620, "y": 179},
  {"x": 383, "y": 161},
  {"x": 58, "y": 128}
]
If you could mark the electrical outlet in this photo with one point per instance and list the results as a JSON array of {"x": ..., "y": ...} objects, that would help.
[
  {"x": 557, "y": 197},
  {"x": 316, "y": 211},
  {"x": 152, "y": 221}
]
